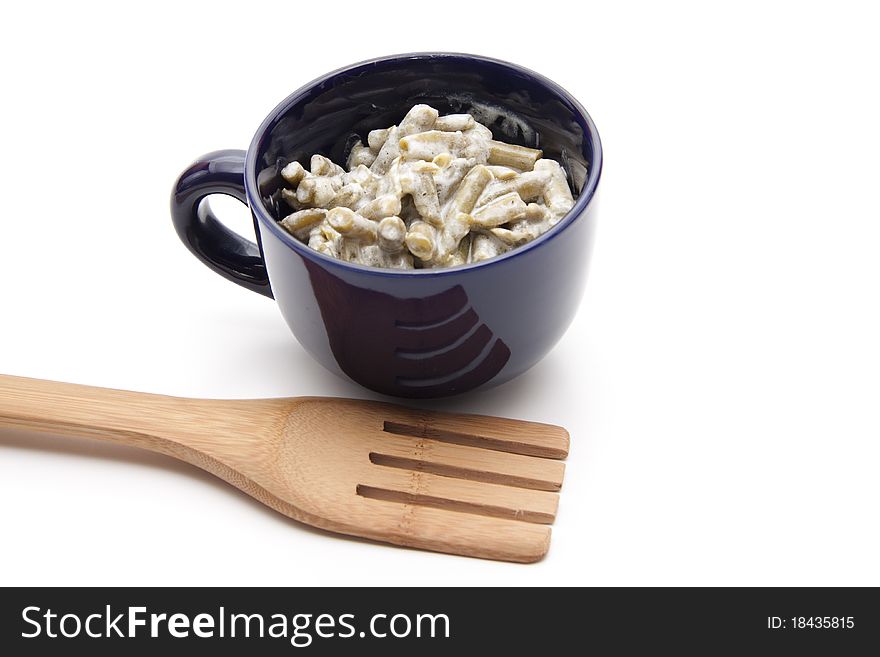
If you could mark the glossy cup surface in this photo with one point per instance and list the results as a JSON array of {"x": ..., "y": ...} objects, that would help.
[{"x": 435, "y": 332}]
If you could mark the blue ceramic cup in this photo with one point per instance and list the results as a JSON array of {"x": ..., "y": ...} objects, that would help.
[{"x": 418, "y": 333}]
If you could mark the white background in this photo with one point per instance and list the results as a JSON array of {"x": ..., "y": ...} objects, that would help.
[{"x": 721, "y": 381}]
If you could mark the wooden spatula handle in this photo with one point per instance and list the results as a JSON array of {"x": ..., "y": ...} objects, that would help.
[
  {"x": 130, "y": 418},
  {"x": 171, "y": 425},
  {"x": 223, "y": 437}
]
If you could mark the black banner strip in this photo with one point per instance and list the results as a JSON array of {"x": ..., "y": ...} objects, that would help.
[{"x": 410, "y": 621}]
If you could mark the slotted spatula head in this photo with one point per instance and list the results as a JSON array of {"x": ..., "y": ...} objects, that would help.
[{"x": 464, "y": 484}]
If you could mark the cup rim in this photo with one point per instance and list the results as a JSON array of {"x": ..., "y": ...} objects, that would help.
[{"x": 259, "y": 210}]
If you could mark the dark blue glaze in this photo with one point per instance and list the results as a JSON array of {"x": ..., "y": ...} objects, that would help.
[
  {"x": 422, "y": 333},
  {"x": 227, "y": 253}
]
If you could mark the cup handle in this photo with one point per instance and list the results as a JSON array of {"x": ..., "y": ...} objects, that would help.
[{"x": 226, "y": 252}]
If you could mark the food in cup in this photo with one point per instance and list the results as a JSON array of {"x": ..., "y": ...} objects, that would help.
[{"x": 433, "y": 191}]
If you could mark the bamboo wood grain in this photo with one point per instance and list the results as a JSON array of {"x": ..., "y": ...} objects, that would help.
[{"x": 463, "y": 484}]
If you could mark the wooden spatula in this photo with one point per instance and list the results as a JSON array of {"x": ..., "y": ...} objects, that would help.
[{"x": 464, "y": 484}]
